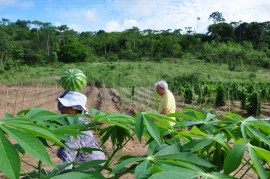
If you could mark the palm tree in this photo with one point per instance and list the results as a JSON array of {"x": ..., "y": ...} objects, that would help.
[{"x": 198, "y": 18}]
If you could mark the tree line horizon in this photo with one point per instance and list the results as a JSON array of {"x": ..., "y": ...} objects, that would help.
[{"x": 37, "y": 43}]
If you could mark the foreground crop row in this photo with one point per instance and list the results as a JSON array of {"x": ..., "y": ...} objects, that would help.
[{"x": 199, "y": 145}]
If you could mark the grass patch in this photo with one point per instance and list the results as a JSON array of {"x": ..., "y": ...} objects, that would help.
[{"x": 124, "y": 73}]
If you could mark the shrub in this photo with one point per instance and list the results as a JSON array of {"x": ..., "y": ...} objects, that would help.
[
  {"x": 73, "y": 52},
  {"x": 243, "y": 99},
  {"x": 254, "y": 104},
  {"x": 221, "y": 96},
  {"x": 188, "y": 95},
  {"x": 264, "y": 94}
]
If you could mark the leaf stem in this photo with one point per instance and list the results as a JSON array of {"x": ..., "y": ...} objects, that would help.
[
  {"x": 40, "y": 169},
  {"x": 117, "y": 150}
]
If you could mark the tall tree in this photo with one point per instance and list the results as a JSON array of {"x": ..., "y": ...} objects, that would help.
[
  {"x": 222, "y": 30},
  {"x": 216, "y": 17}
]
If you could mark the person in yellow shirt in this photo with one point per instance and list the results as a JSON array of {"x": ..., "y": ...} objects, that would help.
[{"x": 167, "y": 103}]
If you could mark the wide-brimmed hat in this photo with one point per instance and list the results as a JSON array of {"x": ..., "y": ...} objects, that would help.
[{"x": 75, "y": 100}]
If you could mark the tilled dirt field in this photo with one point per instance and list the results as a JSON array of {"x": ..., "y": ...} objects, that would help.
[{"x": 107, "y": 100}]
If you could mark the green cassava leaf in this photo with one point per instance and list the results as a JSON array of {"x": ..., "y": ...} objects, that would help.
[
  {"x": 175, "y": 175},
  {"x": 139, "y": 126},
  {"x": 195, "y": 114},
  {"x": 126, "y": 162},
  {"x": 69, "y": 131},
  {"x": 264, "y": 129},
  {"x": 152, "y": 148},
  {"x": 217, "y": 175},
  {"x": 36, "y": 113},
  {"x": 118, "y": 135},
  {"x": 259, "y": 123},
  {"x": 235, "y": 154},
  {"x": 78, "y": 175},
  {"x": 184, "y": 117},
  {"x": 202, "y": 144},
  {"x": 143, "y": 169},
  {"x": 219, "y": 138},
  {"x": 209, "y": 117},
  {"x": 197, "y": 131},
  {"x": 189, "y": 175},
  {"x": 163, "y": 120},
  {"x": 30, "y": 144},
  {"x": 19, "y": 148},
  {"x": 152, "y": 129},
  {"x": 121, "y": 118},
  {"x": 184, "y": 156},
  {"x": 78, "y": 127},
  {"x": 59, "y": 168},
  {"x": 258, "y": 165},
  {"x": 72, "y": 119},
  {"x": 169, "y": 150},
  {"x": 10, "y": 161},
  {"x": 243, "y": 130},
  {"x": 259, "y": 135},
  {"x": 7, "y": 116},
  {"x": 234, "y": 117},
  {"x": 96, "y": 112},
  {"x": 37, "y": 130},
  {"x": 262, "y": 153},
  {"x": 90, "y": 150},
  {"x": 183, "y": 165},
  {"x": 90, "y": 164},
  {"x": 155, "y": 169}
]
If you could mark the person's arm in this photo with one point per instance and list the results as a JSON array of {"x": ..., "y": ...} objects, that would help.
[{"x": 165, "y": 111}]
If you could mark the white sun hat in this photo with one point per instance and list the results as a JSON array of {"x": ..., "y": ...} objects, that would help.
[{"x": 75, "y": 100}]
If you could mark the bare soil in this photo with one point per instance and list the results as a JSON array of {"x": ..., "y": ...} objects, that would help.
[{"x": 107, "y": 100}]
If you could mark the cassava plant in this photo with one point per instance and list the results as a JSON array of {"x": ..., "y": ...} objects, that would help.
[
  {"x": 198, "y": 146},
  {"x": 254, "y": 104},
  {"x": 220, "y": 96},
  {"x": 188, "y": 95}
]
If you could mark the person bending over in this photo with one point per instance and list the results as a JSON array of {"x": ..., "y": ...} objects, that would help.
[{"x": 71, "y": 102}]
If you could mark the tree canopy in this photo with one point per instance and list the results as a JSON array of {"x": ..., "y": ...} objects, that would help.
[{"x": 35, "y": 42}]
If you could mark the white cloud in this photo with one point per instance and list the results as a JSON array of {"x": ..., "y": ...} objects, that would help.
[
  {"x": 90, "y": 16},
  {"x": 128, "y": 24},
  {"x": 75, "y": 26},
  {"x": 181, "y": 14},
  {"x": 80, "y": 20},
  {"x": 113, "y": 26},
  {"x": 119, "y": 15}
]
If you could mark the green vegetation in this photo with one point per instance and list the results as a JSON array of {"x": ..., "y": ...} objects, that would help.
[
  {"x": 230, "y": 62},
  {"x": 195, "y": 81},
  {"x": 123, "y": 73},
  {"x": 37, "y": 43},
  {"x": 201, "y": 145}
]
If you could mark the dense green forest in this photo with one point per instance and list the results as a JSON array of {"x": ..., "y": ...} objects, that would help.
[{"x": 236, "y": 44}]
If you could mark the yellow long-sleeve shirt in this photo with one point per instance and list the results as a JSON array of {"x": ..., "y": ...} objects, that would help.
[{"x": 167, "y": 101}]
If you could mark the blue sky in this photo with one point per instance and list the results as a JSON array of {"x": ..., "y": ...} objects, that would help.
[{"x": 118, "y": 15}]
